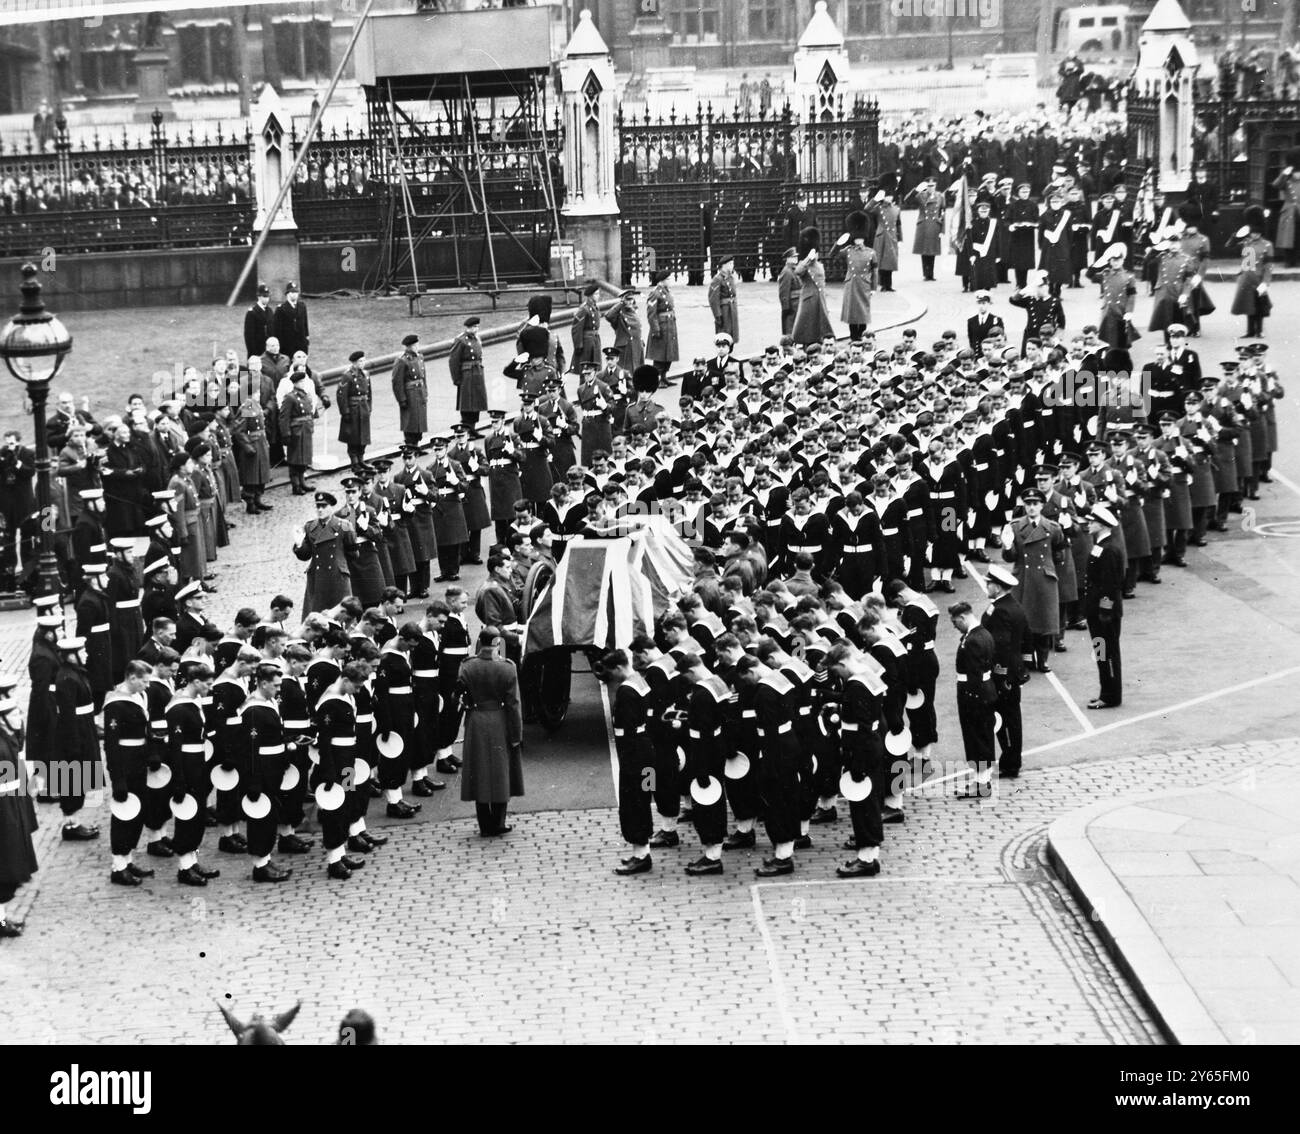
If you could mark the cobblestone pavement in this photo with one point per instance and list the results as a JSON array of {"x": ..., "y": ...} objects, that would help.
[{"x": 447, "y": 937}]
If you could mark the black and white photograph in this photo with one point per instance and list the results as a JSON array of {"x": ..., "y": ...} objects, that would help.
[{"x": 652, "y": 522}]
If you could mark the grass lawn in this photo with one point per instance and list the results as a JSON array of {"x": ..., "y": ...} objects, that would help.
[{"x": 117, "y": 353}]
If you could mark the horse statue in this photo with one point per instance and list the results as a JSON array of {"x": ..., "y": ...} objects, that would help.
[{"x": 258, "y": 1032}]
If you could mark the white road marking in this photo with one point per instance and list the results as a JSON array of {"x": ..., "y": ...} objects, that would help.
[
  {"x": 1280, "y": 478},
  {"x": 774, "y": 968},
  {"x": 883, "y": 877},
  {"x": 1052, "y": 679},
  {"x": 1165, "y": 711},
  {"x": 1070, "y": 703}
]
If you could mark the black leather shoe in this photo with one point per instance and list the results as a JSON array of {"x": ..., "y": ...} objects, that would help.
[
  {"x": 139, "y": 871},
  {"x": 232, "y": 844},
  {"x": 359, "y": 845},
  {"x": 205, "y": 872},
  {"x": 191, "y": 877},
  {"x": 402, "y": 810},
  {"x": 1098, "y": 703},
  {"x": 978, "y": 557},
  {"x": 704, "y": 866},
  {"x": 740, "y": 840},
  {"x": 160, "y": 848},
  {"x": 123, "y": 878},
  {"x": 446, "y": 578},
  {"x": 272, "y": 873},
  {"x": 946, "y": 586},
  {"x": 825, "y": 815},
  {"x": 685, "y": 815},
  {"x": 1043, "y": 667},
  {"x": 504, "y": 829},
  {"x": 374, "y": 789},
  {"x": 352, "y": 862},
  {"x": 771, "y": 867},
  {"x": 851, "y": 843},
  {"x": 634, "y": 866},
  {"x": 856, "y": 868},
  {"x": 1176, "y": 562},
  {"x": 1130, "y": 594},
  {"x": 294, "y": 844},
  {"x": 374, "y": 840},
  {"x": 1060, "y": 647},
  {"x": 803, "y": 842},
  {"x": 1197, "y": 543},
  {"x": 892, "y": 815},
  {"x": 426, "y": 786},
  {"x": 447, "y": 767},
  {"x": 338, "y": 870},
  {"x": 1004, "y": 775},
  {"x": 10, "y": 928},
  {"x": 79, "y": 833},
  {"x": 1077, "y": 624},
  {"x": 665, "y": 839}
]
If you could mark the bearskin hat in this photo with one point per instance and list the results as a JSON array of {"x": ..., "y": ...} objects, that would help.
[
  {"x": 645, "y": 379},
  {"x": 1253, "y": 218},
  {"x": 857, "y": 225},
  {"x": 1189, "y": 213},
  {"x": 534, "y": 342},
  {"x": 809, "y": 239},
  {"x": 540, "y": 305}
]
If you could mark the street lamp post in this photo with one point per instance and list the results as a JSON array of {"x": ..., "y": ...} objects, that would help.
[{"x": 33, "y": 345}]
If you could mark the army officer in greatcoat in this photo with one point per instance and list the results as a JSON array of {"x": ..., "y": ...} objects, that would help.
[
  {"x": 1038, "y": 546},
  {"x": 534, "y": 446},
  {"x": 354, "y": 403},
  {"x": 411, "y": 389},
  {"x": 859, "y": 277},
  {"x": 324, "y": 544},
  {"x": 488, "y": 688},
  {"x": 466, "y": 364}
]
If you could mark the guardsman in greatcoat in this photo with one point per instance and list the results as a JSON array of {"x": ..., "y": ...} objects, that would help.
[
  {"x": 502, "y": 457},
  {"x": 464, "y": 453},
  {"x": 530, "y": 438},
  {"x": 722, "y": 299},
  {"x": 354, "y": 402},
  {"x": 411, "y": 389},
  {"x": 448, "y": 492}
]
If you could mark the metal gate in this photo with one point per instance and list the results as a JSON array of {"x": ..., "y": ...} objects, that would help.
[{"x": 695, "y": 188}]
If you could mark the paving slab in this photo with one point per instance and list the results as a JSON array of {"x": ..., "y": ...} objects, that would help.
[{"x": 1206, "y": 935}]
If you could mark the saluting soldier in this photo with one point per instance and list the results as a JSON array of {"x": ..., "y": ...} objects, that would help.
[
  {"x": 466, "y": 365},
  {"x": 1118, "y": 292},
  {"x": 1040, "y": 306},
  {"x": 354, "y": 403},
  {"x": 1037, "y": 545},
  {"x": 323, "y": 544},
  {"x": 1174, "y": 276},
  {"x": 585, "y": 328},
  {"x": 411, "y": 390},
  {"x": 928, "y": 239},
  {"x": 860, "y": 277},
  {"x": 627, "y": 330}
]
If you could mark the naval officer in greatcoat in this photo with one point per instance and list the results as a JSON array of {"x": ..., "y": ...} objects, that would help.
[{"x": 324, "y": 544}]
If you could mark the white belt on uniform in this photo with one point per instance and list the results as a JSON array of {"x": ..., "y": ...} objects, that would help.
[
  {"x": 232, "y": 720},
  {"x": 424, "y": 673},
  {"x": 848, "y": 726},
  {"x": 941, "y": 496},
  {"x": 889, "y": 531},
  {"x": 980, "y": 466},
  {"x": 271, "y": 750},
  {"x": 365, "y": 718},
  {"x": 912, "y": 515},
  {"x": 127, "y": 603},
  {"x": 623, "y": 731},
  {"x": 399, "y": 690},
  {"x": 927, "y": 645},
  {"x": 982, "y": 677},
  {"x": 456, "y": 651},
  {"x": 296, "y": 724},
  {"x": 343, "y": 741},
  {"x": 85, "y": 710},
  {"x": 810, "y": 549},
  {"x": 102, "y": 628},
  {"x": 192, "y": 748},
  {"x": 131, "y": 742}
]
